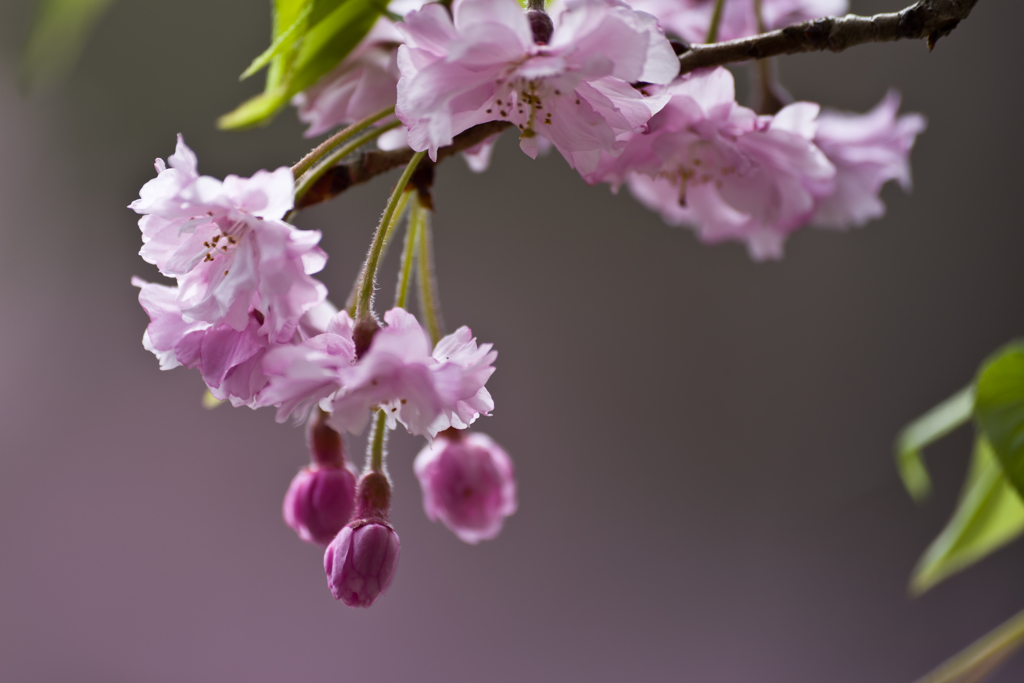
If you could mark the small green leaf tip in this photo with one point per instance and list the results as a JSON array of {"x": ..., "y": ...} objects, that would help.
[
  {"x": 932, "y": 426},
  {"x": 988, "y": 516}
]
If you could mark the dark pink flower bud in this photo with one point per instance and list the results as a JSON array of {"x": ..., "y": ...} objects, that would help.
[
  {"x": 361, "y": 561},
  {"x": 320, "y": 501},
  {"x": 321, "y": 497},
  {"x": 468, "y": 483}
]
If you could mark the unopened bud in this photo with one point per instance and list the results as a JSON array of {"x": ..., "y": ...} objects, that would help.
[
  {"x": 468, "y": 483},
  {"x": 541, "y": 26},
  {"x": 360, "y": 562},
  {"x": 320, "y": 501}
]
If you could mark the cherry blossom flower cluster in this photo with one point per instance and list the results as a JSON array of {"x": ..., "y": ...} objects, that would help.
[
  {"x": 247, "y": 313},
  {"x": 597, "y": 80}
]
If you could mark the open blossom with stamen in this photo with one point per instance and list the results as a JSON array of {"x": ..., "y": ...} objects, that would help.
[
  {"x": 716, "y": 166},
  {"x": 425, "y": 389},
  {"x": 572, "y": 87},
  {"x": 227, "y": 246},
  {"x": 691, "y": 19},
  {"x": 468, "y": 483},
  {"x": 868, "y": 150}
]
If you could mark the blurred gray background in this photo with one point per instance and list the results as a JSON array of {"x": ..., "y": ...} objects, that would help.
[{"x": 707, "y": 490}]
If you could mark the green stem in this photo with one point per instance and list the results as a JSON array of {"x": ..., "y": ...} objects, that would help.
[
  {"x": 403, "y": 203},
  {"x": 303, "y": 184},
  {"x": 980, "y": 659},
  {"x": 369, "y": 273},
  {"x": 430, "y": 306},
  {"x": 716, "y": 21},
  {"x": 378, "y": 439},
  {"x": 341, "y": 136},
  {"x": 416, "y": 217}
]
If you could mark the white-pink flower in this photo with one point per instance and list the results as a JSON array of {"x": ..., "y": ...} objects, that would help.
[
  {"x": 713, "y": 165},
  {"x": 427, "y": 390},
  {"x": 468, "y": 483},
  {"x": 227, "y": 246},
  {"x": 691, "y": 19},
  {"x": 575, "y": 90},
  {"x": 363, "y": 84},
  {"x": 868, "y": 150},
  {"x": 301, "y": 375},
  {"x": 229, "y": 360}
]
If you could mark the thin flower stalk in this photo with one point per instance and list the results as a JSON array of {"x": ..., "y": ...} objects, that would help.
[
  {"x": 430, "y": 305},
  {"x": 364, "y": 298},
  {"x": 416, "y": 217},
  {"x": 716, "y": 21},
  {"x": 400, "y": 212},
  {"x": 307, "y": 181},
  {"x": 983, "y": 656},
  {"x": 377, "y": 444},
  {"x": 325, "y": 147}
]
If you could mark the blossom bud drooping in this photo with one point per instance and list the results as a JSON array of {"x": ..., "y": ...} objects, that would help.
[
  {"x": 361, "y": 561},
  {"x": 468, "y": 483},
  {"x": 321, "y": 497}
]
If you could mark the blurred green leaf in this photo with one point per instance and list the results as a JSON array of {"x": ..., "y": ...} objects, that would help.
[
  {"x": 933, "y": 425},
  {"x": 310, "y": 38},
  {"x": 989, "y": 515},
  {"x": 57, "y": 38},
  {"x": 282, "y": 43},
  {"x": 999, "y": 409}
]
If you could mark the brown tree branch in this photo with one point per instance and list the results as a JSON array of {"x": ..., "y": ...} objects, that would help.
[
  {"x": 930, "y": 19},
  {"x": 374, "y": 162},
  {"x": 926, "y": 19}
]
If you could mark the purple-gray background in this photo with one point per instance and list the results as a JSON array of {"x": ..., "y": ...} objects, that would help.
[{"x": 703, "y": 444}]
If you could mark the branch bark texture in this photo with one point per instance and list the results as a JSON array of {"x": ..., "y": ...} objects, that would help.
[
  {"x": 927, "y": 19},
  {"x": 374, "y": 162}
]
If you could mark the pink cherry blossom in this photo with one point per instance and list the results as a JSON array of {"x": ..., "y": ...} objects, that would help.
[
  {"x": 228, "y": 248},
  {"x": 424, "y": 389},
  {"x": 364, "y": 83},
  {"x": 713, "y": 165},
  {"x": 868, "y": 150},
  {"x": 691, "y": 19},
  {"x": 468, "y": 483},
  {"x": 302, "y": 375},
  {"x": 229, "y": 360},
  {"x": 484, "y": 65},
  {"x": 427, "y": 390}
]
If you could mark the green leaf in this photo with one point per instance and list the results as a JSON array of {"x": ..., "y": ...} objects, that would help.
[
  {"x": 286, "y": 14},
  {"x": 999, "y": 409},
  {"x": 254, "y": 111},
  {"x": 310, "y": 38},
  {"x": 933, "y": 425},
  {"x": 331, "y": 39},
  {"x": 58, "y": 36},
  {"x": 989, "y": 515},
  {"x": 281, "y": 44}
]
